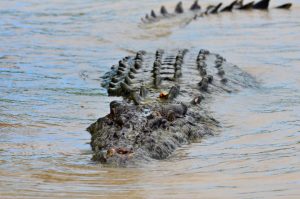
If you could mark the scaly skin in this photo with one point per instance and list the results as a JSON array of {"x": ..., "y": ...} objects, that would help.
[{"x": 165, "y": 104}]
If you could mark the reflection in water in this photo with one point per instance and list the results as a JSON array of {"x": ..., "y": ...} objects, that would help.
[{"x": 52, "y": 55}]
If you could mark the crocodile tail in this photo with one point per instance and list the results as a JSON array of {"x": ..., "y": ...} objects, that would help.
[
  {"x": 195, "y": 6},
  {"x": 153, "y": 14},
  {"x": 262, "y": 5},
  {"x": 285, "y": 6},
  {"x": 216, "y": 8},
  {"x": 179, "y": 8},
  {"x": 247, "y": 6},
  {"x": 163, "y": 11},
  {"x": 229, "y": 7}
]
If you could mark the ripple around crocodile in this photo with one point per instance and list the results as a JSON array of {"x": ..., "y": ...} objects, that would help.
[
  {"x": 165, "y": 98},
  {"x": 196, "y": 10}
]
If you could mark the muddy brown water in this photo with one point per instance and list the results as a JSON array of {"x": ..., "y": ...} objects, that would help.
[{"x": 52, "y": 54}]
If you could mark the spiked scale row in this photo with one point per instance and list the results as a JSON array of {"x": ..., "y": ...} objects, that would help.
[
  {"x": 127, "y": 78},
  {"x": 122, "y": 80},
  {"x": 197, "y": 10},
  {"x": 163, "y": 72},
  {"x": 145, "y": 76},
  {"x": 201, "y": 65},
  {"x": 157, "y": 68}
]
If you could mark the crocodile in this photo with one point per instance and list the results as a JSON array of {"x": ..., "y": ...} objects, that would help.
[
  {"x": 196, "y": 10},
  {"x": 164, "y": 103}
]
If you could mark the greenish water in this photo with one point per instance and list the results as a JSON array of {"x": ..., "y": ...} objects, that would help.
[{"x": 52, "y": 55}]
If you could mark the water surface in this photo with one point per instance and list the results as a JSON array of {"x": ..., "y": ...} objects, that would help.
[{"x": 52, "y": 55}]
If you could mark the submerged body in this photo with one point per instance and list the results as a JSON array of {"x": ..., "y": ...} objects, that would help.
[
  {"x": 50, "y": 93},
  {"x": 163, "y": 104}
]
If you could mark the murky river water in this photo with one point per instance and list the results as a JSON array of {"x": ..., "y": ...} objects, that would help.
[{"x": 52, "y": 54}]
